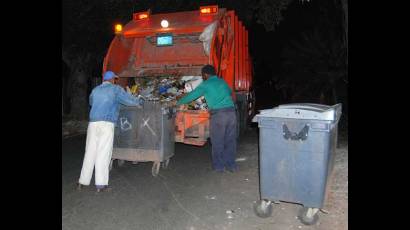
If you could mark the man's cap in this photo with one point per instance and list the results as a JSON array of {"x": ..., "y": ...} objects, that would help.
[{"x": 109, "y": 75}]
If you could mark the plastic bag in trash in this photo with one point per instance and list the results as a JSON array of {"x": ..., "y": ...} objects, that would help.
[
  {"x": 163, "y": 89},
  {"x": 147, "y": 91},
  {"x": 173, "y": 91},
  {"x": 200, "y": 100},
  {"x": 134, "y": 89},
  {"x": 204, "y": 106},
  {"x": 187, "y": 78},
  {"x": 192, "y": 84}
]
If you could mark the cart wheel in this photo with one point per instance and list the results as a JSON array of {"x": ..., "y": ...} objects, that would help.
[
  {"x": 120, "y": 163},
  {"x": 308, "y": 216},
  {"x": 263, "y": 208},
  {"x": 111, "y": 162},
  {"x": 165, "y": 164},
  {"x": 155, "y": 168}
]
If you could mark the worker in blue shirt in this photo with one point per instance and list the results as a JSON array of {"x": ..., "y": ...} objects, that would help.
[
  {"x": 105, "y": 101},
  {"x": 223, "y": 118}
]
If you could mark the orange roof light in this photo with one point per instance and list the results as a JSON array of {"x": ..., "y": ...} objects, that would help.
[
  {"x": 208, "y": 10},
  {"x": 141, "y": 15},
  {"x": 118, "y": 28}
]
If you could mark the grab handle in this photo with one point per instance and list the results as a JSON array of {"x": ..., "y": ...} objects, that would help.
[{"x": 301, "y": 135}]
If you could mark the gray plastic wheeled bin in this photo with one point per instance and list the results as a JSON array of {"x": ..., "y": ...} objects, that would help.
[
  {"x": 297, "y": 144},
  {"x": 144, "y": 134}
]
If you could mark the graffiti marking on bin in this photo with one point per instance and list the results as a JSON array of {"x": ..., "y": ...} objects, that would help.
[
  {"x": 125, "y": 124},
  {"x": 146, "y": 124}
]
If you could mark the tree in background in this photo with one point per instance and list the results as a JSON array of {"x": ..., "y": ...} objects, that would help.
[
  {"x": 318, "y": 56},
  {"x": 87, "y": 29}
]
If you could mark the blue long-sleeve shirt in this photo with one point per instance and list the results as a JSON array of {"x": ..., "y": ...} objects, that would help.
[{"x": 105, "y": 101}]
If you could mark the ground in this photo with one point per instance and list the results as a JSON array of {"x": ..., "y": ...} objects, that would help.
[
  {"x": 188, "y": 195},
  {"x": 72, "y": 127}
]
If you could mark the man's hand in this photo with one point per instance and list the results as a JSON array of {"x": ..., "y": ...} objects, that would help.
[
  {"x": 141, "y": 100},
  {"x": 180, "y": 96},
  {"x": 183, "y": 107}
]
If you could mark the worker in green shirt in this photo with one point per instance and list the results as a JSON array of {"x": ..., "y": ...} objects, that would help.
[{"x": 223, "y": 118}]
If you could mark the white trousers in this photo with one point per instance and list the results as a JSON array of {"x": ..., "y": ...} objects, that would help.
[{"x": 98, "y": 152}]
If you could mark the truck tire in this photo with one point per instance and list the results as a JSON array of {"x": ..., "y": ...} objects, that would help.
[
  {"x": 120, "y": 163},
  {"x": 155, "y": 168}
]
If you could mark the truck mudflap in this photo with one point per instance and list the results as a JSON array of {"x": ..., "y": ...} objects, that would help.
[{"x": 192, "y": 127}]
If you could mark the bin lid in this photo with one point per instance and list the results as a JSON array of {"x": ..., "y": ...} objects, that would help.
[{"x": 303, "y": 111}]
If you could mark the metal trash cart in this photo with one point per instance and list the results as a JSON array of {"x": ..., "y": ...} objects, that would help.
[
  {"x": 145, "y": 134},
  {"x": 297, "y": 143}
]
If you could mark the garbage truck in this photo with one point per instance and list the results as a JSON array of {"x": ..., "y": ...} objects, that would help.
[{"x": 179, "y": 44}]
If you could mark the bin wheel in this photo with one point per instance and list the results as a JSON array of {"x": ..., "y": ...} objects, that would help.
[
  {"x": 263, "y": 208},
  {"x": 111, "y": 162},
  {"x": 165, "y": 164},
  {"x": 120, "y": 163},
  {"x": 308, "y": 216},
  {"x": 155, "y": 168}
]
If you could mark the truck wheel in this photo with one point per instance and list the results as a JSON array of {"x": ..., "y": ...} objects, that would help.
[
  {"x": 263, "y": 208},
  {"x": 155, "y": 168},
  {"x": 308, "y": 216},
  {"x": 120, "y": 163},
  {"x": 165, "y": 164}
]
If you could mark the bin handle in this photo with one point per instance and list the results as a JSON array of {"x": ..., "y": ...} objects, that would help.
[{"x": 302, "y": 135}]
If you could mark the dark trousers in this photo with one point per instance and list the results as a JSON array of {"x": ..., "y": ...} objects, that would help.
[{"x": 223, "y": 138}]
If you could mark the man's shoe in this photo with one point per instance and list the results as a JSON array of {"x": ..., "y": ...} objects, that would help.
[
  {"x": 80, "y": 187},
  {"x": 104, "y": 189},
  {"x": 232, "y": 170}
]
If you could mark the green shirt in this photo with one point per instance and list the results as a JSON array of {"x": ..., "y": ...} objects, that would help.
[{"x": 216, "y": 92}]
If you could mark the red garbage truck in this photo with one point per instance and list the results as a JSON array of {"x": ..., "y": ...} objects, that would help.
[{"x": 181, "y": 43}]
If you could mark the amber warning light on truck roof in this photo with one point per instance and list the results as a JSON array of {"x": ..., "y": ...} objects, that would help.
[
  {"x": 118, "y": 28},
  {"x": 206, "y": 10},
  {"x": 141, "y": 15}
]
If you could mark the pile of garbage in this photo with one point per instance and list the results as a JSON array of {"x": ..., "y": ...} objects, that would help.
[{"x": 167, "y": 89}]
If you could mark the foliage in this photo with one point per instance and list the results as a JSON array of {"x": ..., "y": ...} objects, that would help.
[
  {"x": 269, "y": 13},
  {"x": 317, "y": 56}
]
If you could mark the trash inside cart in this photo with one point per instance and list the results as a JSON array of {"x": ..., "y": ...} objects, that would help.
[
  {"x": 191, "y": 123},
  {"x": 297, "y": 146},
  {"x": 145, "y": 134}
]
